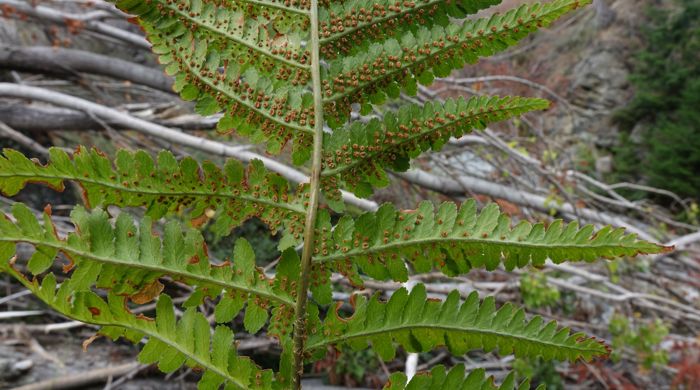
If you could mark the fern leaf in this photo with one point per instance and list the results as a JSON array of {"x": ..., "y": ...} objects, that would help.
[
  {"x": 358, "y": 153},
  {"x": 457, "y": 240},
  {"x": 419, "y": 324},
  {"x": 165, "y": 186},
  {"x": 386, "y": 68},
  {"x": 244, "y": 58},
  {"x": 440, "y": 378},
  {"x": 128, "y": 260},
  {"x": 170, "y": 343},
  {"x": 346, "y": 25}
]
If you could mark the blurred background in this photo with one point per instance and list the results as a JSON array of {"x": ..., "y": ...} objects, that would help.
[{"x": 620, "y": 145}]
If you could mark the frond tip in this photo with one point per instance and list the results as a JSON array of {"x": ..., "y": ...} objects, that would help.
[
  {"x": 458, "y": 240},
  {"x": 419, "y": 324}
]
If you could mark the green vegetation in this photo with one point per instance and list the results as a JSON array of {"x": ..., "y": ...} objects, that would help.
[{"x": 664, "y": 150}]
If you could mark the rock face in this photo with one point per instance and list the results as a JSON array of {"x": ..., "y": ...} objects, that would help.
[
  {"x": 594, "y": 56},
  {"x": 598, "y": 88}
]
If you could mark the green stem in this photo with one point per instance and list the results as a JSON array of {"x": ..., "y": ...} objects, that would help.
[{"x": 299, "y": 337}]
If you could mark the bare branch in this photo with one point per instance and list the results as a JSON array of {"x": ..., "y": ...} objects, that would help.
[
  {"x": 10, "y": 133},
  {"x": 89, "y": 21},
  {"x": 460, "y": 184},
  {"x": 60, "y": 61},
  {"x": 158, "y": 131}
]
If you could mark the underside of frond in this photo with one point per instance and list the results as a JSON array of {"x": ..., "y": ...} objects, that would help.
[
  {"x": 358, "y": 153},
  {"x": 348, "y": 26},
  {"x": 420, "y": 324},
  {"x": 457, "y": 240},
  {"x": 400, "y": 63},
  {"x": 165, "y": 186},
  {"x": 243, "y": 58}
]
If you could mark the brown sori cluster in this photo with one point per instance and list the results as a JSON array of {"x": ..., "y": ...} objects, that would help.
[
  {"x": 281, "y": 323},
  {"x": 232, "y": 31},
  {"x": 354, "y": 163},
  {"x": 376, "y": 73},
  {"x": 350, "y": 29},
  {"x": 238, "y": 210},
  {"x": 272, "y": 115}
]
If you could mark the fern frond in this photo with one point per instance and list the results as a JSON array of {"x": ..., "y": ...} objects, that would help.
[
  {"x": 458, "y": 240},
  {"x": 346, "y": 25},
  {"x": 251, "y": 26},
  {"x": 165, "y": 186},
  {"x": 386, "y": 68},
  {"x": 129, "y": 259},
  {"x": 420, "y": 324},
  {"x": 359, "y": 152},
  {"x": 246, "y": 60},
  {"x": 170, "y": 343},
  {"x": 439, "y": 378}
]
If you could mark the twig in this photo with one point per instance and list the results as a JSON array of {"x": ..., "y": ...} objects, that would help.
[
  {"x": 6, "y": 315},
  {"x": 89, "y": 21},
  {"x": 515, "y": 79},
  {"x": 62, "y": 61},
  {"x": 81, "y": 379},
  {"x": 22, "y": 139},
  {"x": 458, "y": 184}
]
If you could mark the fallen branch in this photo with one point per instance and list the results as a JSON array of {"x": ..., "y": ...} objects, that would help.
[
  {"x": 10, "y": 133},
  {"x": 513, "y": 79},
  {"x": 162, "y": 132},
  {"x": 88, "y": 21},
  {"x": 6, "y": 315},
  {"x": 82, "y": 379},
  {"x": 31, "y": 118},
  {"x": 458, "y": 185},
  {"x": 68, "y": 62}
]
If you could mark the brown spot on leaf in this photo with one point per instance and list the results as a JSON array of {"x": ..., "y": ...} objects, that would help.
[
  {"x": 148, "y": 293},
  {"x": 140, "y": 316},
  {"x": 199, "y": 221},
  {"x": 68, "y": 267},
  {"x": 194, "y": 260}
]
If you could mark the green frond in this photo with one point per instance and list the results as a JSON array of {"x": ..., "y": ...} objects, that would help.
[
  {"x": 234, "y": 194},
  {"x": 347, "y": 26},
  {"x": 243, "y": 58},
  {"x": 170, "y": 342},
  {"x": 457, "y": 240},
  {"x": 439, "y": 378},
  {"x": 128, "y": 260},
  {"x": 358, "y": 153},
  {"x": 418, "y": 324},
  {"x": 386, "y": 68},
  {"x": 252, "y": 28}
]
